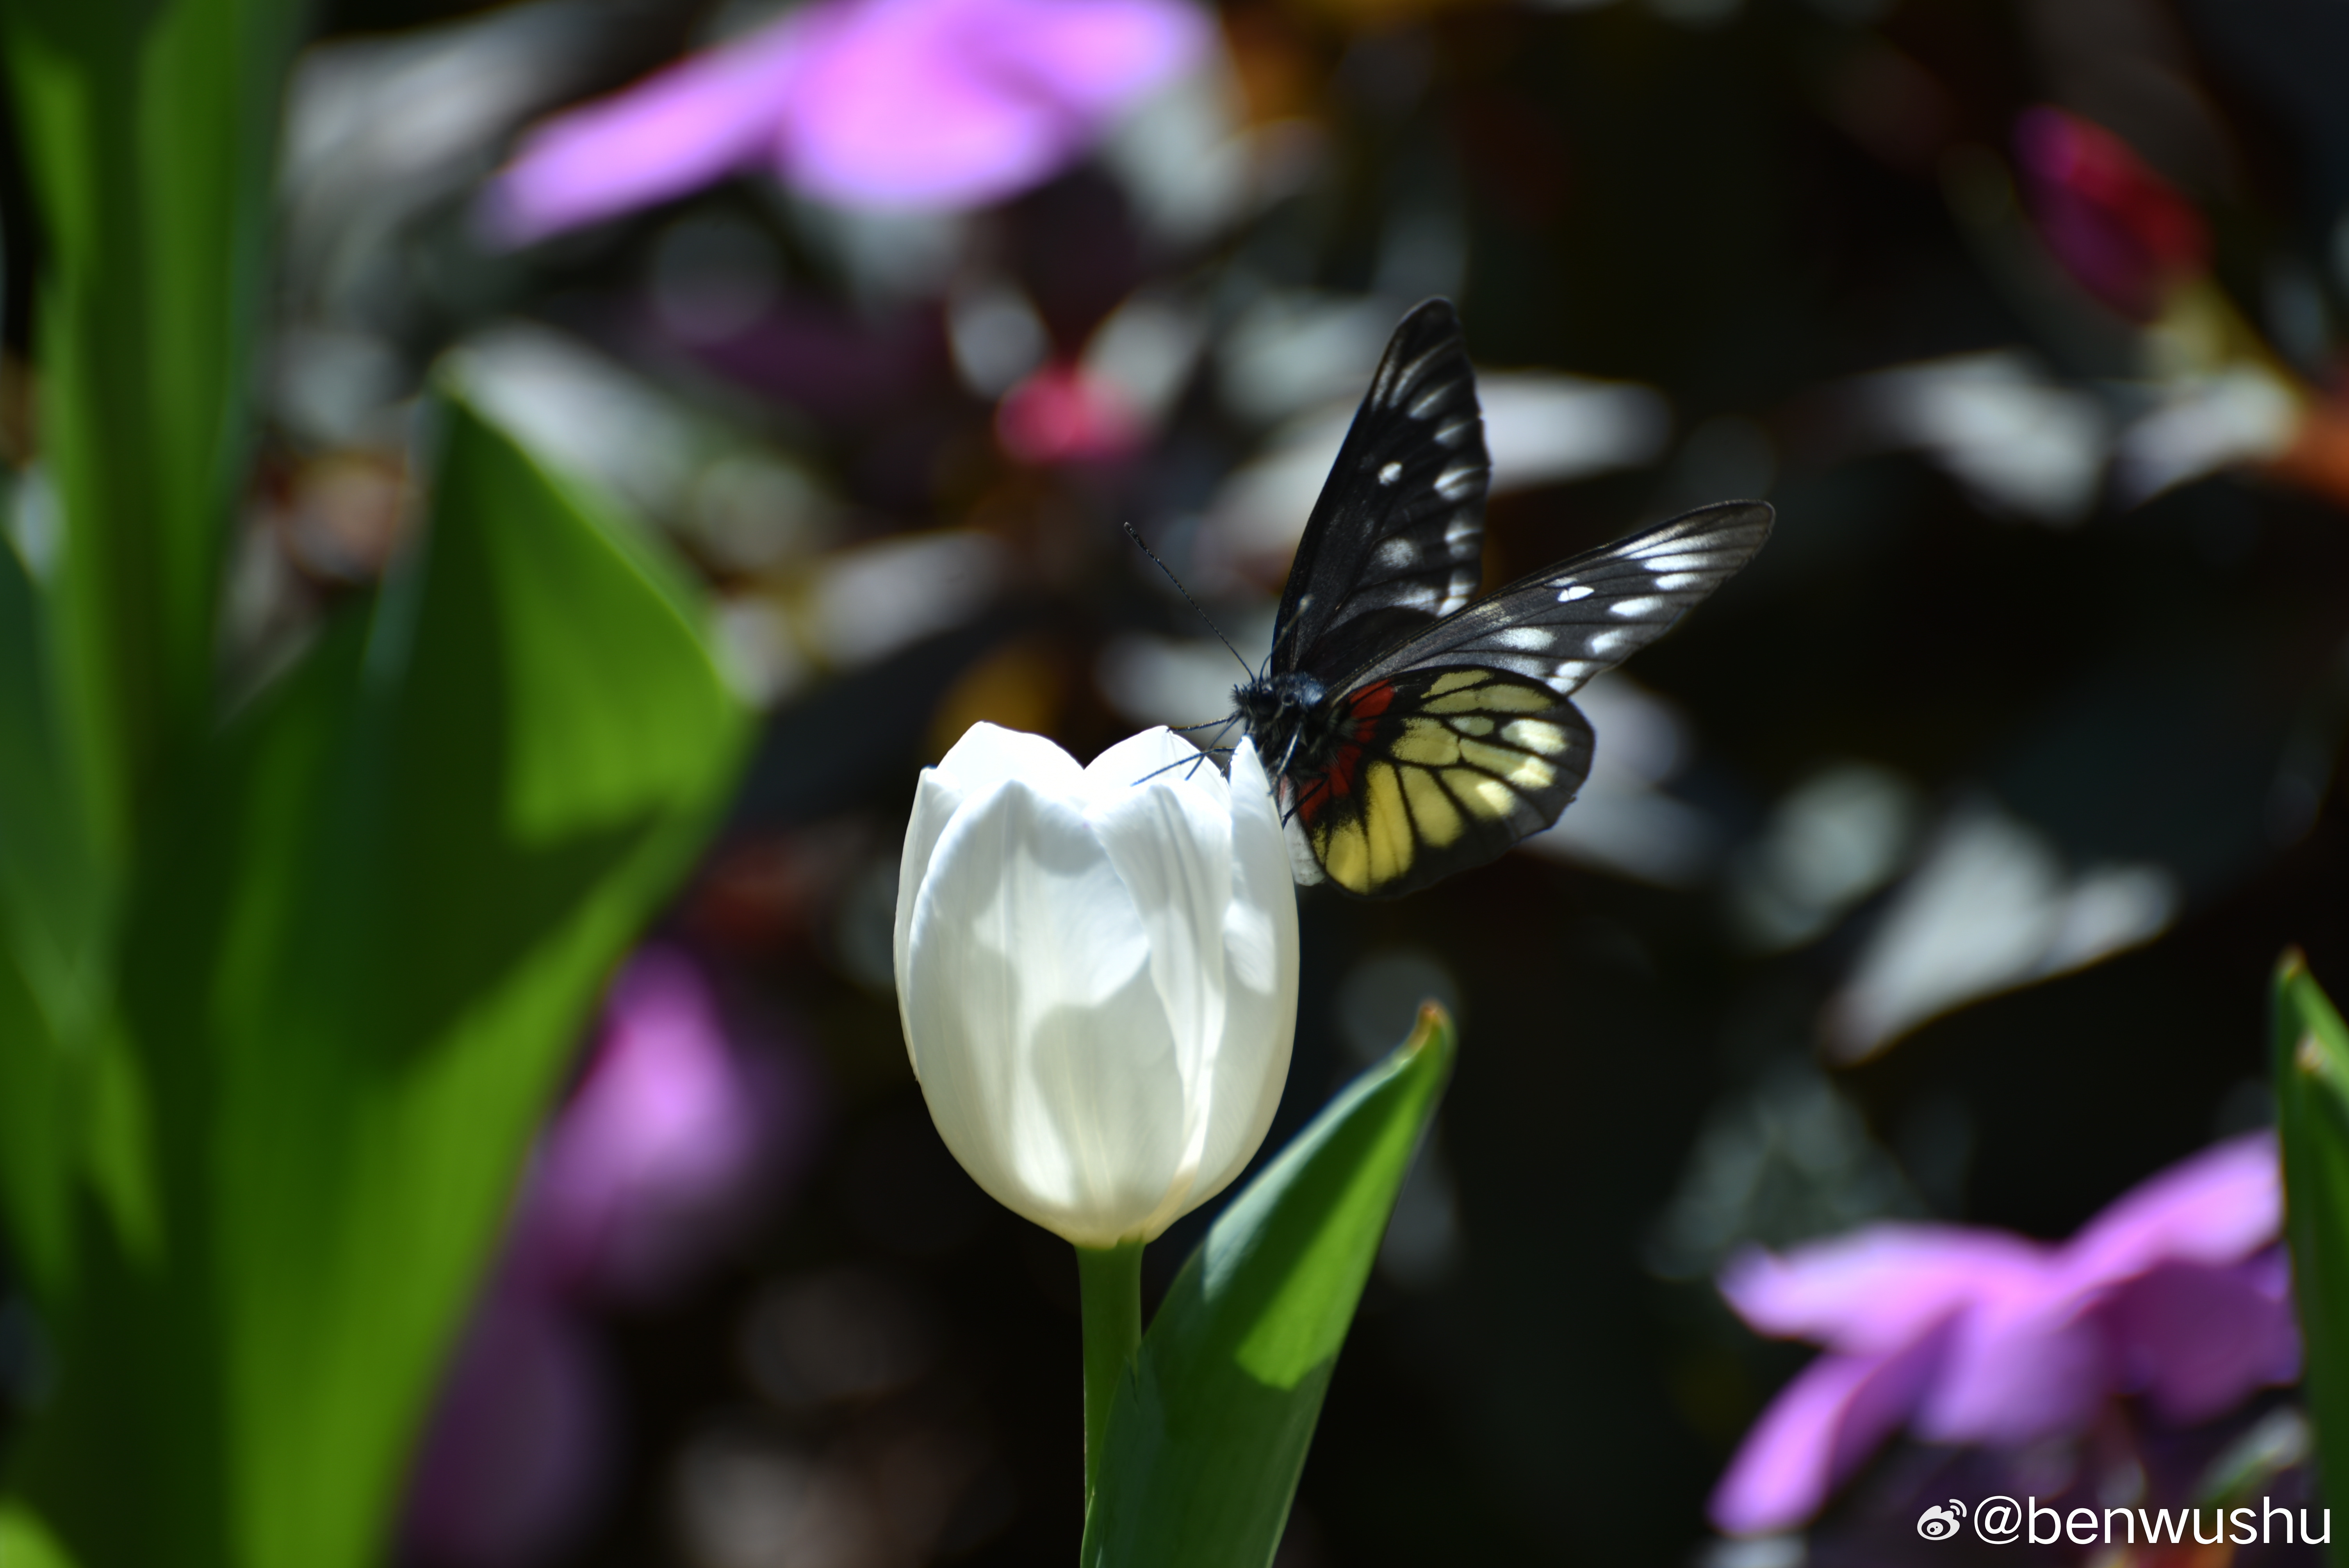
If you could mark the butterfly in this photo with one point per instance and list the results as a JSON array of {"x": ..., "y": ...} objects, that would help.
[{"x": 1412, "y": 733}]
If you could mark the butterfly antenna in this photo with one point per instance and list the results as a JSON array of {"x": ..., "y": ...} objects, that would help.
[
  {"x": 1191, "y": 761},
  {"x": 1162, "y": 566}
]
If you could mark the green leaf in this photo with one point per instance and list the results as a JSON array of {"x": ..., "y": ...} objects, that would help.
[
  {"x": 26, "y": 1542},
  {"x": 1207, "y": 1438},
  {"x": 52, "y": 939},
  {"x": 355, "y": 969},
  {"x": 146, "y": 127},
  {"x": 2312, "y": 1077}
]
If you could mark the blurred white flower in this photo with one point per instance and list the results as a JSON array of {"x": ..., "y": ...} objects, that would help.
[{"x": 1097, "y": 974}]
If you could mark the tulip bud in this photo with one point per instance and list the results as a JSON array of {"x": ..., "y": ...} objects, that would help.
[{"x": 1097, "y": 974}]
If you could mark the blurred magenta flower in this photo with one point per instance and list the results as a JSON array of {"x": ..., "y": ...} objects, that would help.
[
  {"x": 521, "y": 1442},
  {"x": 675, "y": 1136},
  {"x": 2178, "y": 1293},
  {"x": 674, "y": 1132},
  {"x": 1064, "y": 413},
  {"x": 2121, "y": 230},
  {"x": 930, "y": 104}
]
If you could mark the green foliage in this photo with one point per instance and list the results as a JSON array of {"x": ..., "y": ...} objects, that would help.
[
  {"x": 376, "y": 919},
  {"x": 281, "y": 998},
  {"x": 147, "y": 127},
  {"x": 2311, "y": 1076},
  {"x": 1207, "y": 1435}
]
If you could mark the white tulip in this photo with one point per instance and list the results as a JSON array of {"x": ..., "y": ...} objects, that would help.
[{"x": 1097, "y": 974}]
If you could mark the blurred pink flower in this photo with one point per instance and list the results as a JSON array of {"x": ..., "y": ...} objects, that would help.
[
  {"x": 676, "y": 1134},
  {"x": 2178, "y": 1293},
  {"x": 1063, "y": 413},
  {"x": 869, "y": 103},
  {"x": 673, "y": 1134},
  {"x": 2121, "y": 230}
]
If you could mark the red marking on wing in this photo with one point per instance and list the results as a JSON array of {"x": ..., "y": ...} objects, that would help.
[
  {"x": 1337, "y": 782},
  {"x": 1368, "y": 704}
]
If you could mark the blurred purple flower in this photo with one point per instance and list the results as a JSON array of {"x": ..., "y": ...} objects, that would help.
[
  {"x": 673, "y": 1137},
  {"x": 520, "y": 1441},
  {"x": 2178, "y": 1293},
  {"x": 869, "y": 103},
  {"x": 673, "y": 1134}
]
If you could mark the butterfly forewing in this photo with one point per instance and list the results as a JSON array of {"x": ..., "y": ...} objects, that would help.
[
  {"x": 1396, "y": 540},
  {"x": 1444, "y": 769},
  {"x": 1564, "y": 626}
]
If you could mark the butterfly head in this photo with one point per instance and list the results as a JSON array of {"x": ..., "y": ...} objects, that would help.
[
  {"x": 1278, "y": 703},
  {"x": 1286, "y": 715}
]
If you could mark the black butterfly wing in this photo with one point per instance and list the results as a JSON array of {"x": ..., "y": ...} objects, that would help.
[
  {"x": 1396, "y": 540},
  {"x": 1462, "y": 741},
  {"x": 1444, "y": 769},
  {"x": 1562, "y": 625}
]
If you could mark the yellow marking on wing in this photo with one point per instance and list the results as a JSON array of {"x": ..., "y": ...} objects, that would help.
[
  {"x": 1499, "y": 698},
  {"x": 1346, "y": 856},
  {"x": 1431, "y": 807},
  {"x": 1428, "y": 743},
  {"x": 1485, "y": 796},
  {"x": 1459, "y": 701},
  {"x": 1526, "y": 772},
  {"x": 1535, "y": 735},
  {"x": 1472, "y": 724},
  {"x": 1388, "y": 823},
  {"x": 1458, "y": 680}
]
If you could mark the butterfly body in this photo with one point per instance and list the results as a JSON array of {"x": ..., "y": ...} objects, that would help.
[{"x": 1410, "y": 732}]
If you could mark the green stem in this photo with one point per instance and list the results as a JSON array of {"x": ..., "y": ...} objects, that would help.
[{"x": 1109, "y": 1288}]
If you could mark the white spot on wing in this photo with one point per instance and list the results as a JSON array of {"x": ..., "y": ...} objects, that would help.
[
  {"x": 1568, "y": 594},
  {"x": 1388, "y": 474},
  {"x": 1398, "y": 553},
  {"x": 1635, "y": 609},
  {"x": 1573, "y": 670},
  {"x": 1530, "y": 637},
  {"x": 1453, "y": 484},
  {"x": 1461, "y": 528},
  {"x": 1606, "y": 645},
  {"x": 1674, "y": 582}
]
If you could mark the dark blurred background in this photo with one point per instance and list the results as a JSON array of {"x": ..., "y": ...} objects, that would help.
[{"x": 1935, "y": 868}]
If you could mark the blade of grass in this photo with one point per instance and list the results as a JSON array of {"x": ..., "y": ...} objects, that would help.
[{"x": 2312, "y": 1077}]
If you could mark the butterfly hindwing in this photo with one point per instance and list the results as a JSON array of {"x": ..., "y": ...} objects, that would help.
[
  {"x": 1441, "y": 770},
  {"x": 1563, "y": 625},
  {"x": 1396, "y": 539}
]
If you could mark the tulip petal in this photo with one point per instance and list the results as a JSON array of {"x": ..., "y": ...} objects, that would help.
[
  {"x": 1171, "y": 842},
  {"x": 1260, "y": 957},
  {"x": 936, "y": 800},
  {"x": 990, "y": 754},
  {"x": 987, "y": 753},
  {"x": 1035, "y": 1027}
]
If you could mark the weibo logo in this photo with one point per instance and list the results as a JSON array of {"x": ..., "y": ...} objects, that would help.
[{"x": 1941, "y": 1523}]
